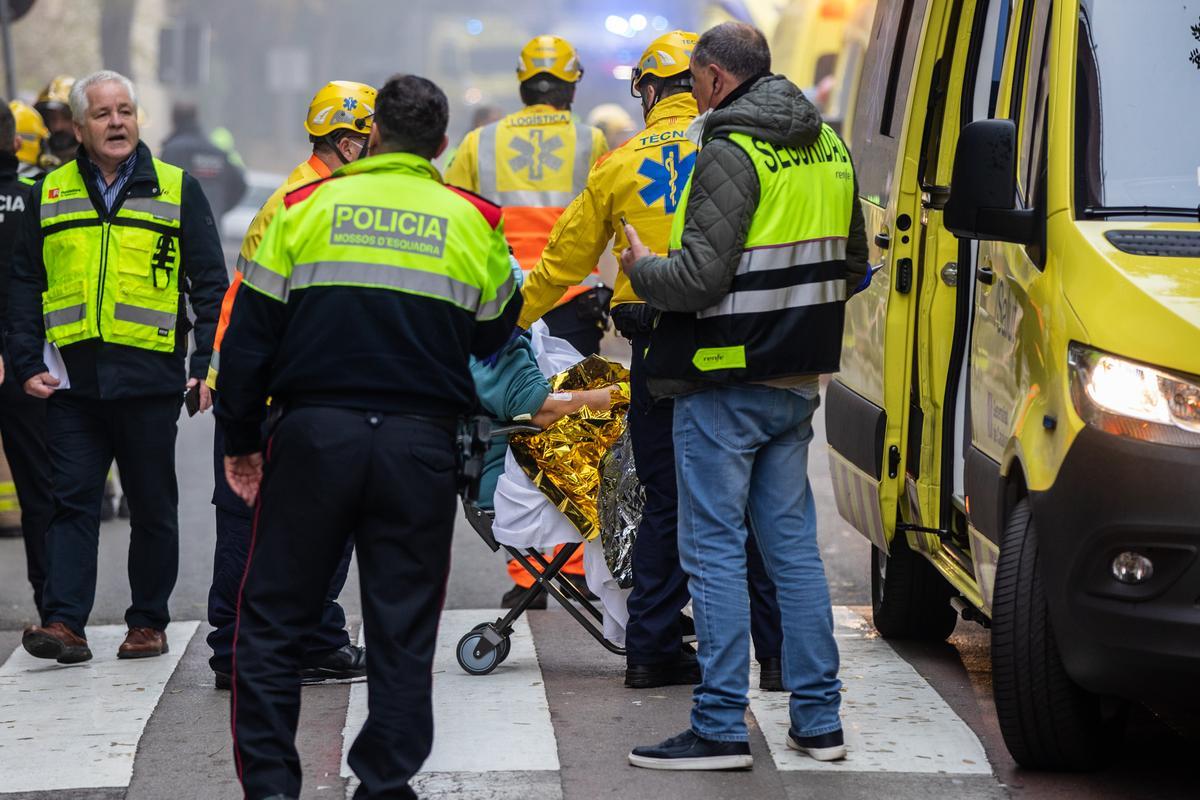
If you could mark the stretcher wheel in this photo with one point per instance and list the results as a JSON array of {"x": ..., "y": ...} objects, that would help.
[
  {"x": 476, "y": 657},
  {"x": 505, "y": 645}
]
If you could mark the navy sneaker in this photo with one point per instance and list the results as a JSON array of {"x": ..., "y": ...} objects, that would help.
[
  {"x": 689, "y": 751},
  {"x": 825, "y": 747}
]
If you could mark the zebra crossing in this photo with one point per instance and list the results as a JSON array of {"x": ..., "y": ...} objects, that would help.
[{"x": 66, "y": 731}]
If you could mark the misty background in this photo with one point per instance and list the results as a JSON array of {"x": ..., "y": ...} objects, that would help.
[{"x": 253, "y": 65}]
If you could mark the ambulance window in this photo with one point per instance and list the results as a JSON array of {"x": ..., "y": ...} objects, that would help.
[
  {"x": 883, "y": 95},
  {"x": 996, "y": 25},
  {"x": 1026, "y": 109}
]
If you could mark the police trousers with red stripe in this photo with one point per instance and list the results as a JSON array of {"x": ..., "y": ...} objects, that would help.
[{"x": 391, "y": 482}]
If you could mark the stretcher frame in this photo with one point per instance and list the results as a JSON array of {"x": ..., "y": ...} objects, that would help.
[{"x": 485, "y": 646}]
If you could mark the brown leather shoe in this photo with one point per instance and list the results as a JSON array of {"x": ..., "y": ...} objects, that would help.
[
  {"x": 55, "y": 641},
  {"x": 143, "y": 643}
]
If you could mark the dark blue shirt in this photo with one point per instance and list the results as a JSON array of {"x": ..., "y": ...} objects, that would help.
[{"x": 110, "y": 193}]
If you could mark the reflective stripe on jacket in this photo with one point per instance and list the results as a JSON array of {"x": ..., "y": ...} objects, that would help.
[
  {"x": 643, "y": 181},
  {"x": 313, "y": 169},
  {"x": 533, "y": 163},
  {"x": 784, "y": 310},
  {"x": 113, "y": 277}
]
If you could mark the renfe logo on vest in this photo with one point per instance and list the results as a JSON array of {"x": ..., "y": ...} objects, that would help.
[{"x": 389, "y": 228}]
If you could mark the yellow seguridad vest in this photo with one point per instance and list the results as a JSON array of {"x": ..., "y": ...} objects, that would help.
[
  {"x": 784, "y": 312},
  {"x": 111, "y": 277}
]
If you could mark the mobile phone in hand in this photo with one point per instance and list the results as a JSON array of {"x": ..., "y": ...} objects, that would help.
[{"x": 191, "y": 400}]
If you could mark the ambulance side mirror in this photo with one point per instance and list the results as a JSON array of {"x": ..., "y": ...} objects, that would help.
[{"x": 983, "y": 190}]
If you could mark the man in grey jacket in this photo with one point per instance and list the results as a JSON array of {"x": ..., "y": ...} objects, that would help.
[{"x": 768, "y": 244}]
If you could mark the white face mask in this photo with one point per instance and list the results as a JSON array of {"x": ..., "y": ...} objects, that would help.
[{"x": 695, "y": 130}]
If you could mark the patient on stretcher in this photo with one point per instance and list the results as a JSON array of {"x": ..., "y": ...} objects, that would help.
[{"x": 516, "y": 388}]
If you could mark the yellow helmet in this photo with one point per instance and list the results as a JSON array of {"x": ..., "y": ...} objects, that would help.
[
  {"x": 668, "y": 55},
  {"x": 552, "y": 55},
  {"x": 341, "y": 105},
  {"x": 31, "y": 130},
  {"x": 56, "y": 93}
]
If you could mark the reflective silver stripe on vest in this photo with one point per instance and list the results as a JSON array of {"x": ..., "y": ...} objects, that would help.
[
  {"x": 64, "y": 316},
  {"x": 214, "y": 363},
  {"x": 144, "y": 316},
  {"x": 583, "y": 160},
  {"x": 762, "y": 301},
  {"x": 492, "y": 308},
  {"x": 487, "y": 163},
  {"x": 532, "y": 198},
  {"x": 794, "y": 254},
  {"x": 148, "y": 205},
  {"x": 241, "y": 264},
  {"x": 72, "y": 206},
  {"x": 265, "y": 280},
  {"x": 359, "y": 273}
]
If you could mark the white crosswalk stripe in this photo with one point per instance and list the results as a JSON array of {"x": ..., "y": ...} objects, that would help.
[
  {"x": 490, "y": 732},
  {"x": 892, "y": 718},
  {"x": 73, "y": 728},
  {"x": 77, "y": 726}
]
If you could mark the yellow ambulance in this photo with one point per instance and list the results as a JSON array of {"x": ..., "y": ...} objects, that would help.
[{"x": 1016, "y": 427}]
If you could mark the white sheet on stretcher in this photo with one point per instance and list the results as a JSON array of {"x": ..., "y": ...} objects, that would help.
[{"x": 526, "y": 518}]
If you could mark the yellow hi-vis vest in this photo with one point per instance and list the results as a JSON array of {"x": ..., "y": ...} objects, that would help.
[
  {"x": 111, "y": 277},
  {"x": 784, "y": 313}
]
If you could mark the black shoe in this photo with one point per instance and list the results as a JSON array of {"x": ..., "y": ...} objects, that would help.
[
  {"x": 348, "y": 661},
  {"x": 280, "y": 797},
  {"x": 123, "y": 507},
  {"x": 689, "y": 751},
  {"x": 684, "y": 672},
  {"x": 770, "y": 675},
  {"x": 825, "y": 747},
  {"x": 514, "y": 595},
  {"x": 222, "y": 681}
]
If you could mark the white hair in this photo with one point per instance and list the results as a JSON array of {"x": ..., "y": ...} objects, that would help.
[{"x": 79, "y": 98}]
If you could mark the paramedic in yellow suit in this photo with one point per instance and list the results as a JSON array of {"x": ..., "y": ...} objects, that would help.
[
  {"x": 641, "y": 182},
  {"x": 533, "y": 163},
  {"x": 338, "y": 123}
]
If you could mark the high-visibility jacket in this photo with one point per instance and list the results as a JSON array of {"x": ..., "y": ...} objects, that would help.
[
  {"x": 784, "y": 312},
  {"x": 314, "y": 169},
  {"x": 532, "y": 163},
  {"x": 369, "y": 291},
  {"x": 643, "y": 181},
  {"x": 111, "y": 277}
]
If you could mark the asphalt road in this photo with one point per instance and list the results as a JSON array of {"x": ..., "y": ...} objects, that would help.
[{"x": 183, "y": 749}]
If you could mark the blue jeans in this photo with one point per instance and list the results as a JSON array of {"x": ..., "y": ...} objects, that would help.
[{"x": 742, "y": 452}]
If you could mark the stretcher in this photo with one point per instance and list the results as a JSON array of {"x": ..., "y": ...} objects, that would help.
[{"x": 486, "y": 645}]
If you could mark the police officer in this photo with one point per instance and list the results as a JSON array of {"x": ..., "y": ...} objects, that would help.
[
  {"x": 642, "y": 182},
  {"x": 113, "y": 241},
  {"x": 338, "y": 122},
  {"x": 532, "y": 163},
  {"x": 357, "y": 316},
  {"x": 223, "y": 181},
  {"x": 767, "y": 238},
  {"x": 22, "y": 418}
]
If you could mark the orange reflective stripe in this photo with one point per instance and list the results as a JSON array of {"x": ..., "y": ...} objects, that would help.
[
  {"x": 319, "y": 166},
  {"x": 226, "y": 309}
]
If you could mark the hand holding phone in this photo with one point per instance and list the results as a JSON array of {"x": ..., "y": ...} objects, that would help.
[{"x": 191, "y": 400}]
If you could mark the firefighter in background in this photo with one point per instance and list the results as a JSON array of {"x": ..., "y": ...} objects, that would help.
[
  {"x": 338, "y": 124},
  {"x": 532, "y": 163},
  {"x": 54, "y": 104},
  {"x": 32, "y": 133}
]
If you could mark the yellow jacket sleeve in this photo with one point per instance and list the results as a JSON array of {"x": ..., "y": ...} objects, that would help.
[
  {"x": 576, "y": 243},
  {"x": 463, "y": 170},
  {"x": 258, "y": 226}
]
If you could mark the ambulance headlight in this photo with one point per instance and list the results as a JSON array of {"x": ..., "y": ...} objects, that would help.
[{"x": 1135, "y": 400}]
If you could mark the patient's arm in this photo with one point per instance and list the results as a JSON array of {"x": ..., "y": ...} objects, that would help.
[{"x": 558, "y": 406}]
